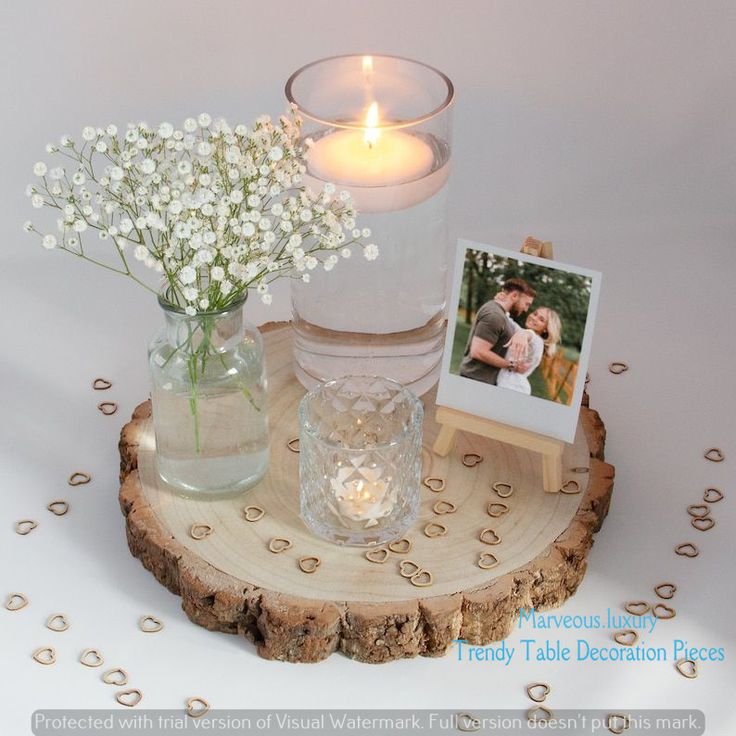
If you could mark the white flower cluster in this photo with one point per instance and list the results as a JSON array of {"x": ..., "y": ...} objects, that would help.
[{"x": 215, "y": 210}]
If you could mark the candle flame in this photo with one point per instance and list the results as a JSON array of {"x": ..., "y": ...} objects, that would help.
[
  {"x": 371, "y": 133},
  {"x": 367, "y": 64}
]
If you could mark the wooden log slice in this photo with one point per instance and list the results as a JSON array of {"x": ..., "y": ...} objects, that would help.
[{"x": 231, "y": 582}]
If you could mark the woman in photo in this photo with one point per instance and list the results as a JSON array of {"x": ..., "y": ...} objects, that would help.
[{"x": 543, "y": 327}]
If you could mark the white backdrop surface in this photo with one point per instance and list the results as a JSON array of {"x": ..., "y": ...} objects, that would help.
[{"x": 606, "y": 127}]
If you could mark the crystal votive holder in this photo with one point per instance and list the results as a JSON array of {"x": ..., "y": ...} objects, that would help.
[{"x": 360, "y": 459}]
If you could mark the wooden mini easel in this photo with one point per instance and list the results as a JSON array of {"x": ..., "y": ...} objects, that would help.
[{"x": 452, "y": 420}]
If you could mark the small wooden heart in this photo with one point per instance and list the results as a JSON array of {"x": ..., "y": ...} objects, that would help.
[
  {"x": 538, "y": 691},
  {"x": 108, "y": 408},
  {"x": 488, "y": 536},
  {"x": 422, "y": 579},
  {"x": 57, "y": 622},
  {"x": 666, "y": 590},
  {"x": 101, "y": 384},
  {"x": 401, "y": 546},
  {"x": 129, "y": 698},
  {"x": 715, "y": 455},
  {"x": 309, "y": 564},
  {"x": 637, "y": 608},
  {"x": 378, "y": 555},
  {"x": 436, "y": 485},
  {"x": 713, "y": 495},
  {"x": 687, "y": 549},
  {"x": 45, "y": 655},
  {"x": 197, "y": 707},
  {"x": 580, "y": 469},
  {"x": 471, "y": 459},
  {"x": 487, "y": 560},
  {"x": 200, "y": 531},
  {"x": 435, "y": 529},
  {"x": 59, "y": 508},
  {"x": 79, "y": 479},
  {"x": 91, "y": 658},
  {"x": 618, "y": 367},
  {"x": 496, "y": 509},
  {"x": 444, "y": 507},
  {"x": 117, "y": 677},
  {"x": 627, "y": 637},
  {"x": 703, "y": 523},
  {"x": 468, "y": 723},
  {"x": 25, "y": 526},
  {"x": 279, "y": 544},
  {"x": 293, "y": 444},
  {"x": 503, "y": 490},
  {"x": 16, "y": 601},
  {"x": 150, "y": 624},
  {"x": 539, "y": 713},
  {"x": 570, "y": 488},
  {"x": 687, "y": 668},
  {"x": 660, "y": 610},
  {"x": 253, "y": 513},
  {"x": 617, "y": 723},
  {"x": 407, "y": 568},
  {"x": 698, "y": 510}
]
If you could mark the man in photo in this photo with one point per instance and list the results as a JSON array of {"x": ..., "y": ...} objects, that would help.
[{"x": 492, "y": 332}]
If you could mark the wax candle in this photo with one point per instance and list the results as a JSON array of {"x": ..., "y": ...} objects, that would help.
[{"x": 364, "y": 498}]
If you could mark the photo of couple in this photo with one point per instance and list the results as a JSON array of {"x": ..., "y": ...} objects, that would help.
[{"x": 520, "y": 325}]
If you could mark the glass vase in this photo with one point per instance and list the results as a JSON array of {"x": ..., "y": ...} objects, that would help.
[
  {"x": 210, "y": 417},
  {"x": 380, "y": 128},
  {"x": 360, "y": 460}
]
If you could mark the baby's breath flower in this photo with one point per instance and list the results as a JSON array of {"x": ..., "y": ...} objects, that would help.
[
  {"x": 89, "y": 133},
  {"x": 370, "y": 252},
  {"x": 49, "y": 242},
  {"x": 40, "y": 169}
]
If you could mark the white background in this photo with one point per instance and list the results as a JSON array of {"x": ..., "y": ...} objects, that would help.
[{"x": 606, "y": 127}]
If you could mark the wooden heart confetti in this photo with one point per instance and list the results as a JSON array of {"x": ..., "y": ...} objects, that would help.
[
  {"x": 309, "y": 564},
  {"x": 713, "y": 495},
  {"x": 662, "y": 611},
  {"x": 435, "y": 529},
  {"x": 627, "y": 637},
  {"x": 45, "y": 655},
  {"x": 436, "y": 485},
  {"x": 57, "y": 622},
  {"x": 698, "y": 510},
  {"x": 617, "y": 722},
  {"x": 91, "y": 658},
  {"x": 253, "y": 513},
  {"x": 407, "y": 568},
  {"x": 617, "y": 368},
  {"x": 59, "y": 507},
  {"x": 108, "y": 408},
  {"x": 401, "y": 546},
  {"x": 197, "y": 707},
  {"x": 703, "y": 523},
  {"x": 502, "y": 489},
  {"x": 200, "y": 531},
  {"x": 538, "y": 691},
  {"x": 25, "y": 526},
  {"x": 496, "y": 509},
  {"x": 444, "y": 507},
  {"x": 666, "y": 590},
  {"x": 150, "y": 624},
  {"x": 471, "y": 459},
  {"x": 117, "y": 677},
  {"x": 101, "y": 384},
  {"x": 16, "y": 601},
  {"x": 79, "y": 479},
  {"x": 293, "y": 444},
  {"x": 580, "y": 469},
  {"x": 570, "y": 488},
  {"x": 715, "y": 455},
  {"x": 539, "y": 713},
  {"x": 487, "y": 560},
  {"x": 687, "y": 549},
  {"x": 129, "y": 698},
  {"x": 280, "y": 544},
  {"x": 637, "y": 608},
  {"x": 488, "y": 536},
  {"x": 687, "y": 668},
  {"x": 378, "y": 555},
  {"x": 422, "y": 579}
]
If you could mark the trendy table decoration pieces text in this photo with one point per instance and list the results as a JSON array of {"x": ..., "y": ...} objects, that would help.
[{"x": 213, "y": 211}]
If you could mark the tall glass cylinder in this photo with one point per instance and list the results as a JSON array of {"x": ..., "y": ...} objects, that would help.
[{"x": 380, "y": 128}]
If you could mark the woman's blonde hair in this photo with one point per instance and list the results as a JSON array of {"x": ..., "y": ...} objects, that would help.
[{"x": 553, "y": 333}]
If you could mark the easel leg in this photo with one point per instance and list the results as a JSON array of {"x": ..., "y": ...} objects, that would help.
[
  {"x": 445, "y": 440},
  {"x": 552, "y": 472}
]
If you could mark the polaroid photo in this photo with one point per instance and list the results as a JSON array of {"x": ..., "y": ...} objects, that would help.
[{"x": 518, "y": 339}]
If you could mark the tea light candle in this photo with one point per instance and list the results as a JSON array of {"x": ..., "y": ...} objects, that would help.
[{"x": 362, "y": 499}]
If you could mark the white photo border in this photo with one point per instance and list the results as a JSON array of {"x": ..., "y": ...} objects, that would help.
[{"x": 515, "y": 409}]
